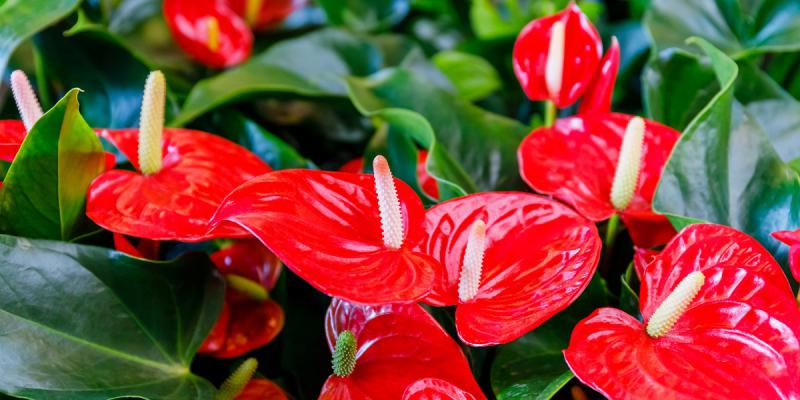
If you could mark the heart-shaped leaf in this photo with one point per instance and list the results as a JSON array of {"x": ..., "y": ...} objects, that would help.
[
  {"x": 91, "y": 323},
  {"x": 20, "y": 19},
  {"x": 738, "y": 28},
  {"x": 481, "y": 144},
  {"x": 724, "y": 170},
  {"x": 44, "y": 192},
  {"x": 312, "y": 65}
]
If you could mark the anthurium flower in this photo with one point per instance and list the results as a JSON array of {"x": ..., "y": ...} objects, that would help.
[
  {"x": 603, "y": 164},
  {"x": 719, "y": 322},
  {"x": 209, "y": 31},
  {"x": 183, "y": 175},
  {"x": 426, "y": 182},
  {"x": 432, "y": 388},
  {"x": 349, "y": 235},
  {"x": 511, "y": 261},
  {"x": 264, "y": 14},
  {"x": 600, "y": 91},
  {"x": 262, "y": 389},
  {"x": 249, "y": 318},
  {"x": 380, "y": 352},
  {"x": 555, "y": 57},
  {"x": 791, "y": 238}
]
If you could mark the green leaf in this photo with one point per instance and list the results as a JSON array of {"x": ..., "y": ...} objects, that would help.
[
  {"x": 738, "y": 28},
  {"x": 270, "y": 148},
  {"x": 44, "y": 192},
  {"x": 724, "y": 170},
  {"x": 90, "y": 323},
  {"x": 20, "y": 19},
  {"x": 503, "y": 19},
  {"x": 533, "y": 367},
  {"x": 365, "y": 15},
  {"x": 472, "y": 76},
  {"x": 312, "y": 65},
  {"x": 481, "y": 144},
  {"x": 678, "y": 85},
  {"x": 628, "y": 299}
]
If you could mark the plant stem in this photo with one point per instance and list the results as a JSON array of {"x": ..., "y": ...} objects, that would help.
[
  {"x": 41, "y": 79},
  {"x": 549, "y": 113},
  {"x": 611, "y": 231}
]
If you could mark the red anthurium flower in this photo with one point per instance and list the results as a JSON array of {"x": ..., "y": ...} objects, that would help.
[
  {"x": 262, "y": 389},
  {"x": 209, "y": 31},
  {"x": 435, "y": 389},
  {"x": 249, "y": 318},
  {"x": 618, "y": 164},
  {"x": 349, "y": 235},
  {"x": 264, "y": 14},
  {"x": 427, "y": 182},
  {"x": 600, "y": 92},
  {"x": 182, "y": 177},
  {"x": 720, "y": 322},
  {"x": 792, "y": 238},
  {"x": 380, "y": 352},
  {"x": 555, "y": 57},
  {"x": 511, "y": 261},
  {"x": 12, "y": 133}
]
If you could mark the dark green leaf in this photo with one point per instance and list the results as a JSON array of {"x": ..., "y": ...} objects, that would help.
[
  {"x": 312, "y": 65},
  {"x": 533, "y": 367},
  {"x": 270, "y": 148},
  {"x": 20, "y": 19},
  {"x": 738, "y": 28},
  {"x": 482, "y": 146},
  {"x": 90, "y": 323},
  {"x": 365, "y": 15},
  {"x": 44, "y": 192},
  {"x": 724, "y": 170},
  {"x": 628, "y": 299},
  {"x": 472, "y": 76}
]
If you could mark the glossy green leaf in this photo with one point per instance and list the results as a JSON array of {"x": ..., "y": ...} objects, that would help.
[
  {"x": 533, "y": 367},
  {"x": 312, "y": 65},
  {"x": 738, "y": 28},
  {"x": 724, "y": 169},
  {"x": 44, "y": 192},
  {"x": 90, "y": 323},
  {"x": 20, "y": 19},
  {"x": 472, "y": 76},
  {"x": 270, "y": 148},
  {"x": 678, "y": 85},
  {"x": 504, "y": 19},
  {"x": 481, "y": 144},
  {"x": 365, "y": 15}
]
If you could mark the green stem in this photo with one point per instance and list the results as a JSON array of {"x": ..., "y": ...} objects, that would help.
[
  {"x": 611, "y": 231},
  {"x": 549, "y": 113},
  {"x": 41, "y": 79}
]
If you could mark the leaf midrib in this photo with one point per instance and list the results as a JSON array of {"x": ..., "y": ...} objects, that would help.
[{"x": 175, "y": 370}]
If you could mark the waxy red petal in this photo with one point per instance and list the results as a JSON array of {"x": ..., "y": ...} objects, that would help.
[
  {"x": 791, "y": 238},
  {"x": 215, "y": 340},
  {"x": 426, "y": 181},
  {"x": 435, "y": 389},
  {"x": 249, "y": 259},
  {"x": 398, "y": 345},
  {"x": 270, "y": 12},
  {"x": 12, "y": 133},
  {"x": 575, "y": 162},
  {"x": 252, "y": 324},
  {"x": 600, "y": 92},
  {"x": 261, "y": 389},
  {"x": 582, "y": 52},
  {"x": 176, "y": 203},
  {"x": 739, "y": 338},
  {"x": 188, "y": 20},
  {"x": 540, "y": 255},
  {"x": 325, "y": 226}
]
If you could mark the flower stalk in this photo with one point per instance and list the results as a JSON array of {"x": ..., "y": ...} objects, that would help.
[
  {"x": 28, "y": 105},
  {"x": 238, "y": 380},
  {"x": 344, "y": 354},
  {"x": 472, "y": 265},
  {"x": 626, "y": 175}
]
